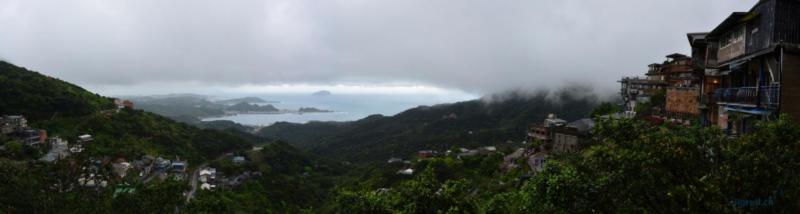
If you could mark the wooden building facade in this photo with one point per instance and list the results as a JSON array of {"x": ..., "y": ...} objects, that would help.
[
  {"x": 748, "y": 57},
  {"x": 744, "y": 70}
]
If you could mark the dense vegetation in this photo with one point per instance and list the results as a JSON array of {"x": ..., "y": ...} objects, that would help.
[
  {"x": 68, "y": 111},
  {"x": 38, "y": 96},
  {"x": 629, "y": 166},
  {"x": 132, "y": 133},
  {"x": 224, "y": 125},
  {"x": 309, "y": 134},
  {"x": 173, "y": 106},
  {"x": 291, "y": 181},
  {"x": 633, "y": 166},
  {"x": 214, "y": 124},
  {"x": 65, "y": 110},
  {"x": 43, "y": 189},
  {"x": 470, "y": 124},
  {"x": 604, "y": 108}
]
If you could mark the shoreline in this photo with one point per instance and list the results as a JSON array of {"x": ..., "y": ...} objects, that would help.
[{"x": 263, "y": 113}]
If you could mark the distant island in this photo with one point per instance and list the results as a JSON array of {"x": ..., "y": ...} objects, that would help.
[
  {"x": 312, "y": 110},
  {"x": 322, "y": 93},
  {"x": 244, "y": 107},
  {"x": 190, "y": 108},
  {"x": 244, "y": 99}
]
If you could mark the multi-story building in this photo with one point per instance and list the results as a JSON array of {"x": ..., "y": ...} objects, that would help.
[
  {"x": 655, "y": 73},
  {"x": 637, "y": 90},
  {"x": 748, "y": 57},
  {"x": 682, "y": 95},
  {"x": 13, "y": 123},
  {"x": 560, "y": 136},
  {"x": 573, "y": 136},
  {"x": 709, "y": 81},
  {"x": 544, "y": 131},
  {"x": 678, "y": 67},
  {"x": 122, "y": 104}
]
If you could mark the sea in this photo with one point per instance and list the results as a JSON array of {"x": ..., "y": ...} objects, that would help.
[{"x": 344, "y": 107}]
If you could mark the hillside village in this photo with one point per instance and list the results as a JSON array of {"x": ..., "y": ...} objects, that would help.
[
  {"x": 99, "y": 172},
  {"x": 732, "y": 79},
  {"x": 740, "y": 72}
]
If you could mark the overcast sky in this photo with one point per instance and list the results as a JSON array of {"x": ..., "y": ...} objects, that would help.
[{"x": 473, "y": 46}]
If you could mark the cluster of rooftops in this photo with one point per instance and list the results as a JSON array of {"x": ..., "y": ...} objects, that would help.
[{"x": 16, "y": 127}]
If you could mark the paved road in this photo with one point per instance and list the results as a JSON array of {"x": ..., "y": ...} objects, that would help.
[{"x": 193, "y": 182}]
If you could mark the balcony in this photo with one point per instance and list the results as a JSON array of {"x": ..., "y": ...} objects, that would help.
[
  {"x": 742, "y": 95},
  {"x": 770, "y": 96},
  {"x": 764, "y": 96}
]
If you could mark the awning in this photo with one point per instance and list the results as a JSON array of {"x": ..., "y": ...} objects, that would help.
[
  {"x": 738, "y": 65},
  {"x": 715, "y": 72},
  {"x": 755, "y": 111}
]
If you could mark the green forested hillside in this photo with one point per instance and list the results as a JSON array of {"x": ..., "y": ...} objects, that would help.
[
  {"x": 291, "y": 181},
  {"x": 38, "y": 96},
  {"x": 67, "y": 111},
  {"x": 49, "y": 189},
  {"x": 470, "y": 124},
  {"x": 631, "y": 167},
  {"x": 132, "y": 133},
  {"x": 306, "y": 135},
  {"x": 179, "y": 106}
]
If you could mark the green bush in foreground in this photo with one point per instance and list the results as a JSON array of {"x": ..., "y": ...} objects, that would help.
[{"x": 633, "y": 166}]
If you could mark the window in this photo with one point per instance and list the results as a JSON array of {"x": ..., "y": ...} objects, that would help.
[
  {"x": 753, "y": 33},
  {"x": 732, "y": 37}
]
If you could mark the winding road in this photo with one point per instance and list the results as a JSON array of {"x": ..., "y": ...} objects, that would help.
[{"x": 193, "y": 182}]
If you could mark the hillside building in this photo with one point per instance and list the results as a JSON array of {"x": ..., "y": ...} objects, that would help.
[
  {"x": 573, "y": 136},
  {"x": 543, "y": 131},
  {"x": 12, "y": 123},
  {"x": 123, "y": 104},
  {"x": 753, "y": 65},
  {"x": 637, "y": 90},
  {"x": 58, "y": 150},
  {"x": 683, "y": 93}
]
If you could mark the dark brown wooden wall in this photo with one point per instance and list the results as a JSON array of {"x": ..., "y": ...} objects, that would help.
[
  {"x": 759, "y": 40},
  {"x": 790, "y": 85},
  {"x": 787, "y": 21}
]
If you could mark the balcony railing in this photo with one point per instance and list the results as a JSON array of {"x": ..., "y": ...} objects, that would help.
[
  {"x": 764, "y": 96},
  {"x": 770, "y": 96},
  {"x": 742, "y": 95}
]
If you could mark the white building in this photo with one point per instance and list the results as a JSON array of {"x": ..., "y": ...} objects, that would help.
[
  {"x": 408, "y": 171},
  {"x": 59, "y": 150}
]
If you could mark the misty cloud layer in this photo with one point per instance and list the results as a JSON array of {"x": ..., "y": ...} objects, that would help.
[{"x": 475, "y": 46}]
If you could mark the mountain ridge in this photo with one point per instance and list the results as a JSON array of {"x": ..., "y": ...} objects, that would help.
[
  {"x": 488, "y": 121},
  {"x": 57, "y": 97}
]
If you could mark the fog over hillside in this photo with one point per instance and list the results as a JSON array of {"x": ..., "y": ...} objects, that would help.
[{"x": 478, "y": 47}]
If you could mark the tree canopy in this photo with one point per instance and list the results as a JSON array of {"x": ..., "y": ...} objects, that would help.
[{"x": 632, "y": 166}]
